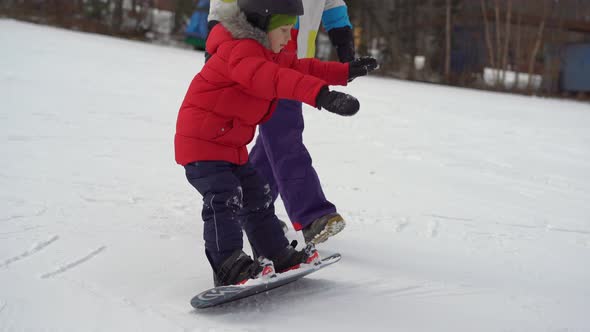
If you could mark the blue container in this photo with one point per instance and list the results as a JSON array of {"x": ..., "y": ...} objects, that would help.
[
  {"x": 197, "y": 26},
  {"x": 576, "y": 68}
]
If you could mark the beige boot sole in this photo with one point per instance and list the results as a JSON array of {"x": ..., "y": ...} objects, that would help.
[{"x": 334, "y": 226}]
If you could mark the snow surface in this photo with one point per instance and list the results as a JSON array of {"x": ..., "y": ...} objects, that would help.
[{"x": 466, "y": 210}]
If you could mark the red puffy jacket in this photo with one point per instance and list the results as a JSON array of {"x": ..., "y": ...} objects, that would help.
[{"x": 237, "y": 89}]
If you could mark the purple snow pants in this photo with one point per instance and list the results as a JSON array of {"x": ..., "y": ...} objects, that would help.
[{"x": 280, "y": 156}]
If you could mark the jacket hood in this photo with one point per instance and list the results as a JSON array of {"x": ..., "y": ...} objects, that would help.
[{"x": 236, "y": 27}]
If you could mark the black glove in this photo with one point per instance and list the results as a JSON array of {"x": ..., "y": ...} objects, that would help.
[
  {"x": 337, "y": 102},
  {"x": 343, "y": 40},
  {"x": 361, "y": 67}
]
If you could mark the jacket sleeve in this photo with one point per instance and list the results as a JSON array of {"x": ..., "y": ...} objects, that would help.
[
  {"x": 337, "y": 23},
  {"x": 334, "y": 73},
  {"x": 265, "y": 79},
  {"x": 335, "y": 15}
]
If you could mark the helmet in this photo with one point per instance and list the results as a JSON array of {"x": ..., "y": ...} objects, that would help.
[{"x": 270, "y": 7}]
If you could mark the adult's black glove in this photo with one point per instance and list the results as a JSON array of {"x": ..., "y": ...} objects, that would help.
[
  {"x": 361, "y": 67},
  {"x": 337, "y": 102},
  {"x": 343, "y": 40}
]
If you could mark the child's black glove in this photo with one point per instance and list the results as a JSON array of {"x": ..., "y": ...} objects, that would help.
[
  {"x": 337, "y": 102},
  {"x": 361, "y": 67}
]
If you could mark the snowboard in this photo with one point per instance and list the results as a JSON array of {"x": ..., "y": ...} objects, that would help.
[{"x": 225, "y": 294}]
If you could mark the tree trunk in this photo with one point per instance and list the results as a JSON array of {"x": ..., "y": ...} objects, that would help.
[
  {"x": 552, "y": 65},
  {"x": 518, "y": 52},
  {"x": 448, "y": 45},
  {"x": 498, "y": 43},
  {"x": 412, "y": 40},
  {"x": 535, "y": 49},
  {"x": 487, "y": 33},
  {"x": 80, "y": 6},
  {"x": 506, "y": 41},
  {"x": 118, "y": 16}
]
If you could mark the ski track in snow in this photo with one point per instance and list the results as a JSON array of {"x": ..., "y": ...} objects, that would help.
[
  {"x": 9, "y": 218},
  {"x": 5, "y": 235},
  {"x": 448, "y": 217},
  {"x": 432, "y": 230},
  {"x": 122, "y": 201},
  {"x": 423, "y": 291},
  {"x": 565, "y": 230},
  {"x": 74, "y": 264},
  {"x": 18, "y": 216},
  {"x": 402, "y": 224},
  {"x": 381, "y": 287},
  {"x": 117, "y": 300},
  {"x": 36, "y": 248}
]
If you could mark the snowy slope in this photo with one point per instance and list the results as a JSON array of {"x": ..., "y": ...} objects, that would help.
[{"x": 467, "y": 210}]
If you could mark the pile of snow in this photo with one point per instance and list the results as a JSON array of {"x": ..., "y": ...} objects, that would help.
[{"x": 511, "y": 79}]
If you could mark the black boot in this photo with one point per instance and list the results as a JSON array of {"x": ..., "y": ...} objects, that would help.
[
  {"x": 237, "y": 268},
  {"x": 289, "y": 258}
]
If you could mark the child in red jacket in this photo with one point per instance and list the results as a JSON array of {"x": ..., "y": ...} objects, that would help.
[{"x": 236, "y": 90}]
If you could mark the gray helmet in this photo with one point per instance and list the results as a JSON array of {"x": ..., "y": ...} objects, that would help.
[{"x": 271, "y": 7}]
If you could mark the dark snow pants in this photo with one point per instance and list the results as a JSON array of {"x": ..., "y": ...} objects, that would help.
[{"x": 234, "y": 198}]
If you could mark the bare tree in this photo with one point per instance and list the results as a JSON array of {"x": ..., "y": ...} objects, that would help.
[
  {"x": 536, "y": 47},
  {"x": 118, "y": 15},
  {"x": 518, "y": 51},
  {"x": 498, "y": 42},
  {"x": 182, "y": 11},
  {"x": 506, "y": 42},
  {"x": 448, "y": 44},
  {"x": 489, "y": 45},
  {"x": 144, "y": 16}
]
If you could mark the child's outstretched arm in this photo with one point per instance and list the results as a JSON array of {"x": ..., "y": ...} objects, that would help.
[{"x": 265, "y": 79}]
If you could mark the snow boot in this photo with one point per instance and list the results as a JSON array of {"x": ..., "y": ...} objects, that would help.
[
  {"x": 290, "y": 258},
  {"x": 236, "y": 269},
  {"x": 323, "y": 228}
]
